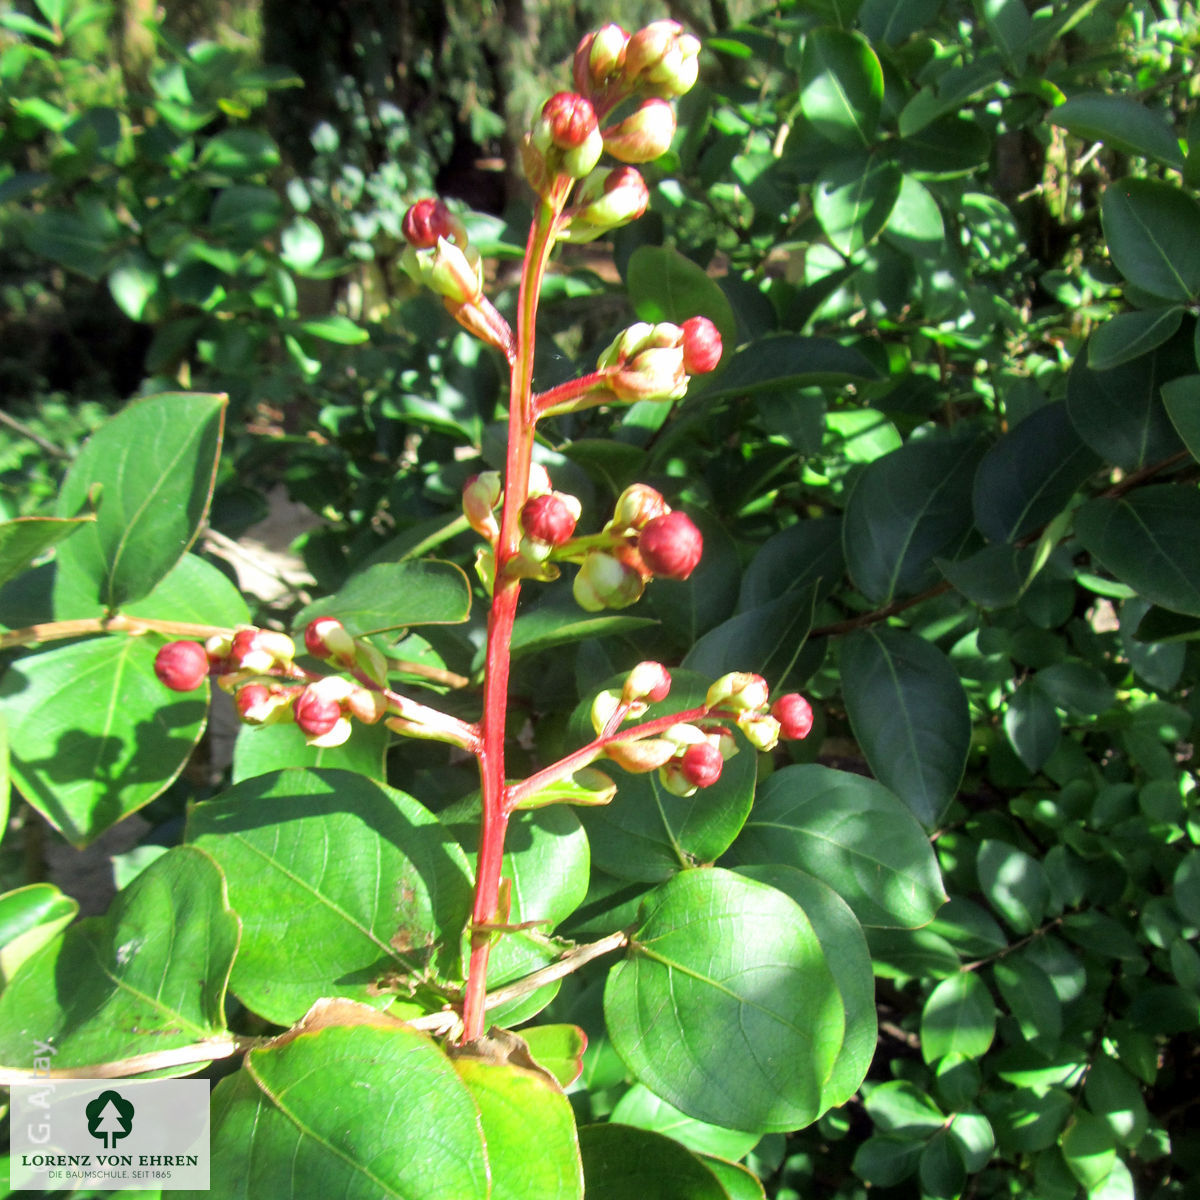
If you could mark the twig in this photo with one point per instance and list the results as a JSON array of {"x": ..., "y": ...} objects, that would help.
[
  {"x": 156, "y": 1060},
  {"x": 37, "y": 439}
]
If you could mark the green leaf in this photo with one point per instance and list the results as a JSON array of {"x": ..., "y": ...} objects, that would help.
[
  {"x": 301, "y": 244},
  {"x": 853, "y": 199},
  {"x": 76, "y": 242},
  {"x": 807, "y": 553},
  {"x": 958, "y": 1018},
  {"x": 663, "y": 285},
  {"x": 841, "y": 86},
  {"x": 259, "y": 751},
  {"x": 1153, "y": 234},
  {"x": 1027, "y": 1120},
  {"x": 513, "y": 1102},
  {"x": 561, "y": 623},
  {"x": 1114, "y": 1096},
  {"x": 1089, "y": 1148},
  {"x": 194, "y": 590},
  {"x": 1009, "y": 28},
  {"x": 642, "y": 1109},
  {"x": 916, "y": 222},
  {"x": 557, "y": 1049},
  {"x": 852, "y": 834},
  {"x": 245, "y": 214},
  {"x": 1031, "y": 998},
  {"x": 906, "y": 508},
  {"x": 941, "y": 1170},
  {"x": 1122, "y": 123},
  {"x": 394, "y": 595},
  {"x": 341, "y": 884},
  {"x": 718, "y": 951},
  {"x": 239, "y": 152},
  {"x": 1030, "y": 474},
  {"x": 134, "y": 282},
  {"x": 335, "y": 328},
  {"x": 846, "y": 952},
  {"x": 1128, "y": 335},
  {"x": 884, "y": 1160},
  {"x": 899, "y": 1107},
  {"x": 149, "y": 976},
  {"x": 1181, "y": 398},
  {"x": 909, "y": 713},
  {"x": 620, "y": 1162},
  {"x": 1014, "y": 883},
  {"x": 785, "y": 360},
  {"x": 30, "y": 916},
  {"x": 1147, "y": 540},
  {"x": 94, "y": 735},
  {"x": 972, "y": 1134},
  {"x": 1032, "y": 725},
  {"x": 154, "y": 465},
  {"x": 353, "y": 1111},
  {"x": 1186, "y": 889},
  {"x": 994, "y": 577},
  {"x": 26, "y": 538}
]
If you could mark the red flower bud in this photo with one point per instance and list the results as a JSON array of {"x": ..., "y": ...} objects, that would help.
[
  {"x": 326, "y": 637},
  {"x": 671, "y": 545},
  {"x": 701, "y": 346},
  {"x": 429, "y": 220},
  {"x": 182, "y": 666},
  {"x": 316, "y": 714},
  {"x": 794, "y": 714},
  {"x": 571, "y": 118},
  {"x": 648, "y": 682},
  {"x": 701, "y": 764},
  {"x": 251, "y": 697},
  {"x": 548, "y": 518},
  {"x": 644, "y": 135}
]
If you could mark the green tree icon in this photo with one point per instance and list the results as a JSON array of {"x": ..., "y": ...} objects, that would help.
[{"x": 109, "y": 1117}]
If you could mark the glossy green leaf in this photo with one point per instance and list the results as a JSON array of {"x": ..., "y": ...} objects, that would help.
[
  {"x": 301, "y": 244},
  {"x": 1119, "y": 413},
  {"x": 972, "y": 1133},
  {"x": 1153, "y": 233},
  {"x": 26, "y": 538},
  {"x": 809, "y": 552},
  {"x": 1186, "y": 887},
  {"x": 238, "y": 152},
  {"x": 1128, "y": 335},
  {"x": 620, "y": 1162},
  {"x": 559, "y": 624},
  {"x": 1030, "y": 474},
  {"x": 647, "y": 833},
  {"x": 134, "y": 282},
  {"x": 1147, "y": 540},
  {"x": 690, "y": 608},
  {"x": 153, "y": 465},
  {"x": 513, "y": 1102},
  {"x": 909, "y": 713},
  {"x": 335, "y": 328},
  {"x": 841, "y": 86},
  {"x": 393, "y": 595},
  {"x": 1077, "y": 687},
  {"x": 1089, "y": 1148},
  {"x": 1181, "y": 398},
  {"x": 197, "y": 591},
  {"x": 1009, "y": 28},
  {"x": 911, "y": 954},
  {"x": 939, "y": 144},
  {"x": 739, "y": 1182},
  {"x": 664, "y": 285},
  {"x": 958, "y": 1018},
  {"x": 82, "y": 243},
  {"x": 1031, "y": 998},
  {"x": 906, "y": 508},
  {"x": 244, "y": 214},
  {"x": 852, "y": 834},
  {"x": 1122, "y": 123},
  {"x": 785, "y": 359},
  {"x": 1113, "y": 1095},
  {"x": 259, "y": 751},
  {"x": 149, "y": 976},
  {"x": 994, "y": 577},
  {"x": 853, "y": 199},
  {"x": 31, "y": 916},
  {"x": 93, "y": 733},
  {"x": 1014, "y": 883},
  {"x": 940, "y": 1169},
  {"x": 356, "y": 1112},
  {"x": 846, "y": 952},
  {"x": 642, "y": 1109},
  {"x": 900, "y": 1107},
  {"x": 718, "y": 951},
  {"x": 1027, "y": 1120},
  {"x": 558, "y": 1049},
  {"x": 345, "y": 887},
  {"x": 884, "y": 1160},
  {"x": 1032, "y": 725}
]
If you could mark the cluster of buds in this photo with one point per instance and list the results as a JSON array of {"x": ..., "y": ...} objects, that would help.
[
  {"x": 656, "y": 362},
  {"x": 439, "y": 256},
  {"x": 687, "y": 754},
  {"x": 645, "y": 539},
  {"x": 659, "y": 60}
]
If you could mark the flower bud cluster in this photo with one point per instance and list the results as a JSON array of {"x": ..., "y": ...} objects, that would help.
[
  {"x": 656, "y": 362},
  {"x": 686, "y": 756},
  {"x": 645, "y": 539},
  {"x": 745, "y": 697},
  {"x": 660, "y": 60}
]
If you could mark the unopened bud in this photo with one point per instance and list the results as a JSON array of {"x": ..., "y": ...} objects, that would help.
[
  {"x": 315, "y": 713},
  {"x": 637, "y": 506},
  {"x": 795, "y": 716},
  {"x": 259, "y": 650},
  {"x": 761, "y": 729},
  {"x": 662, "y": 59},
  {"x": 258, "y": 704},
  {"x": 644, "y": 135},
  {"x": 481, "y": 495},
  {"x": 646, "y": 754},
  {"x": 326, "y": 637},
  {"x": 647, "y": 682},
  {"x": 366, "y": 705},
  {"x": 604, "y": 706},
  {"x": 605, "y": 582},
  {"x": 550, "y": 517},
  {"x": 701, "y": 764},
  {"x": 182, "y": 666},
  {"x": 701, "y": 346},
  {"x": 599, "y": 58},
  {"x": 428, "y": 220},
  {"x": 671, "y": 546},
  {"x": 739, "y": 691},
  {"x": 606, "y": 200},
  {"x": 567, "y": 136}
]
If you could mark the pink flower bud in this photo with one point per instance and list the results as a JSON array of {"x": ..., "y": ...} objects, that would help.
[
  {"x": 701, "y": 346},
  {"x": 701, "y": 764},
  {"x": 795, "y": 716},
  {"x": 550, "y": 517},
  {"x": 671, "y": 545},
  {"x": 428, "y": 220},
  {"x": 637, "y": 506},
  {"x": 645, "y": 754},
  {"x": 739, "y": 691},
  {"x": 326, "y": 637},
  {"x": 644, "y": 135},
  {"x": 603, "y": 581},
  {"x": 648, "y": 681},
  {"x": 259, "y": 650},
  {"x": 599, "y": 57},
  {"x": 366, "y": 705},
  {"x": 260, "y": 704},
  {"x": 662, "y": 59},
  {"x": 605, "y": 201},
  {"x": 315, "y": 713},
  {"x": 182, "y": 666},
  {"x": 481, "y": 495},
  {"x": 571, "y": 119}
]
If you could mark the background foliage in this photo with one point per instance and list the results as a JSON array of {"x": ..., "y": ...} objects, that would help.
[{"x": 947, "y": 481}]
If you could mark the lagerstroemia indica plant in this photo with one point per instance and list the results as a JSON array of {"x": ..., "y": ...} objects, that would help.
[{"x": 395, "y": 949}]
